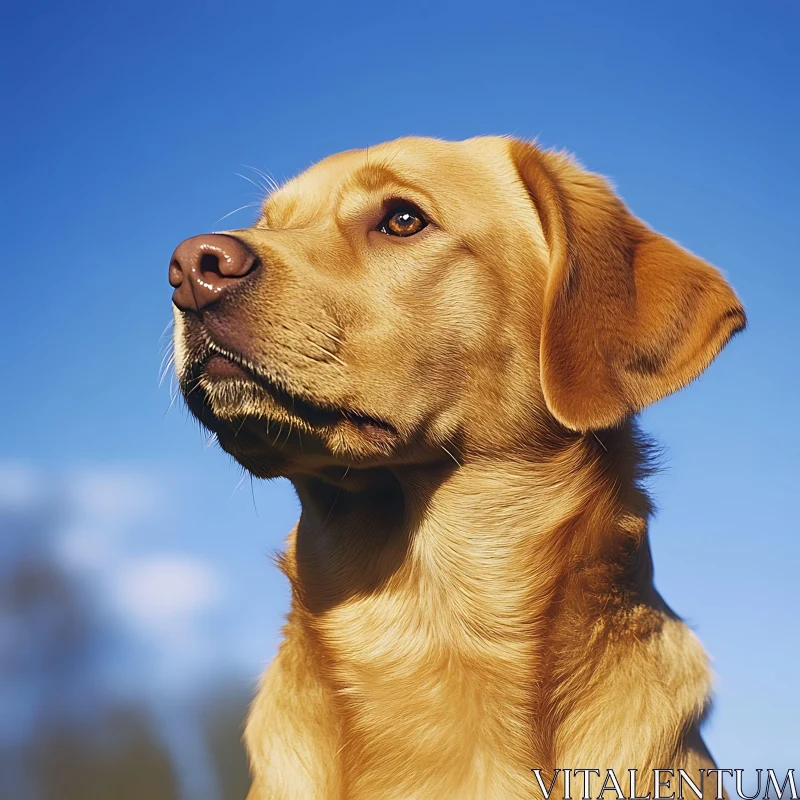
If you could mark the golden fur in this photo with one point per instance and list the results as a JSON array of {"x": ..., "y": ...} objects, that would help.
[{"x": 472, "y": 590}]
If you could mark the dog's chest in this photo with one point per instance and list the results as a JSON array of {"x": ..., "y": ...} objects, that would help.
[{"x": 431, "y": 705}]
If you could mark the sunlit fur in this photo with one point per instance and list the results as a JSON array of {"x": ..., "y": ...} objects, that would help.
[{"x": 472, "y": 590}]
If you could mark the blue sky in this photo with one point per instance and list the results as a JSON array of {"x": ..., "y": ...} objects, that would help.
[{"x": 125, "y": 126}]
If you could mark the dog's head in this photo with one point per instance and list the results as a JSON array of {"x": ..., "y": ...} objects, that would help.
[{"x": 424, "y": 299}]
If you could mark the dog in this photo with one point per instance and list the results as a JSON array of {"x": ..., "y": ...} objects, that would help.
[{"x": 443, "y": 345}]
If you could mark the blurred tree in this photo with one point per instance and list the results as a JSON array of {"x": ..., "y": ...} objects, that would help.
[
  {"x": 224, "y": 727},
  {"x": 62, "y": 737},
  {"x": 116, "y": 759}
]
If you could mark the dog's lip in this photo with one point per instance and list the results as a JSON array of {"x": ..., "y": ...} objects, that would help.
[
  {"x": 219, "y": 367},
  {"x": 311, "y": 410}
]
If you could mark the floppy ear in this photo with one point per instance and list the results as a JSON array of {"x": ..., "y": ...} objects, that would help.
[{"x": 629, "y": 316}]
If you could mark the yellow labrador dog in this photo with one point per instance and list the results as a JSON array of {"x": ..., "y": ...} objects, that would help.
[{"x": 443, "y": 346}]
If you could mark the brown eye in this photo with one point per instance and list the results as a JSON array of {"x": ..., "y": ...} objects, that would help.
[{"x": 403, "y": 221}]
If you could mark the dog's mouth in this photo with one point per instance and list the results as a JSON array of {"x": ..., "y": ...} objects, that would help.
[{"x": 224, "y": 388}]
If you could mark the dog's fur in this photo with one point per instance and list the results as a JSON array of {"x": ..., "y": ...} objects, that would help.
[{"x": 472, "y": 590}]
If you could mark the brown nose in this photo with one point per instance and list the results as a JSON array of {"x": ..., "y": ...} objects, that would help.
[{"x": 204, "y": 267}]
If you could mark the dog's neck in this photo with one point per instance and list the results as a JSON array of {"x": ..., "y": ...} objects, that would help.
[
  {"x": 482, "y": 571},
  {"x": 524, "y": 517}
]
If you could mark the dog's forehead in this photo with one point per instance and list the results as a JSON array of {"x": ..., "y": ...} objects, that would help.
[{"x": 430, "y": 165}]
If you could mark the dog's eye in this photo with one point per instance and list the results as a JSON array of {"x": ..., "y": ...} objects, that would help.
[{"x": 403, "y": 221}]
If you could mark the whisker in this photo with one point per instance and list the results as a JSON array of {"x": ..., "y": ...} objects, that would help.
[
  {"x": 168, "y": 351},
  {"x": 230, "y": 213},
  {"x": 264, "y": 186},
  {"x": 253, "y": 494},
  {"x": 171, "y": 403},
  {"x": 270, "y": 179},
  {"x": 169, "y": 325},
  {"x": 238, "y": 485},
  {"x": 271, "y": 182},
  {"x": 458, "y": 463},
  {"x": 333, "y": 505},
  {"x": 324, "y": 333},
  {"x": 288, "y": 435},
  {"x": 170, "y": 363},
  {"x": 250, "y": 180},
  {"x": 328, "y": 352}
]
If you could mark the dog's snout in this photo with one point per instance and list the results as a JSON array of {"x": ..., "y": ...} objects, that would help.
[{"x": 204, "y": 267}]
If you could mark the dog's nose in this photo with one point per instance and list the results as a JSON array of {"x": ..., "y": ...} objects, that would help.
[{"x": 204, "y": 267}]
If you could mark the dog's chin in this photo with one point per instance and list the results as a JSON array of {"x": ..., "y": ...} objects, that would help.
[{"x": 273, "y": 433}]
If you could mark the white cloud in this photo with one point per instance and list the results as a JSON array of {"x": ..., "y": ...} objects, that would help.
[
  {"x": 104, "y": 507},
  {"x": 161, "y": 592},
  {"x": 115, "y": 495},
  {"x": 157, "y": 598}
]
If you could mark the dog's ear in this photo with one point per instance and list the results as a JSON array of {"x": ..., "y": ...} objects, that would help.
[{"x": 629, "y": 316}]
